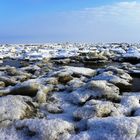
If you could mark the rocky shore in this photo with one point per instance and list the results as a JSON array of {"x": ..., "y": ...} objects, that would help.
[{"x": 70, "y": 92}]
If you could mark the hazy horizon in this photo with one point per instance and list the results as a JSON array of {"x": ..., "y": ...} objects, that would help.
[{"x": 45, "y": 21}]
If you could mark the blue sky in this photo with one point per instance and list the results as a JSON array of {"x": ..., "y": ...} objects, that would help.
[{"x": 40, "y": 21}]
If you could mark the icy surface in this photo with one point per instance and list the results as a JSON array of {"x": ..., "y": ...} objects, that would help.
[{"x": 70, "y": 91}]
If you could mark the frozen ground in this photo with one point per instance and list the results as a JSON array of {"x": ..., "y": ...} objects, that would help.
[{"x": 70, "y": 92}]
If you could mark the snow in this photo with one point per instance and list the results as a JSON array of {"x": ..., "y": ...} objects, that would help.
[
  {"x": 81, "y": 71},
  {"x": 132, "y": 52},
  {"x": 45, "y": 100}
]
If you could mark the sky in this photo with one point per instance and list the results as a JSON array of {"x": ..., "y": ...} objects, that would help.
[{"x": 90, "y": 21}]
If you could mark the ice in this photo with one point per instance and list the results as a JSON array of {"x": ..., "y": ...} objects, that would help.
[{"x": 66, "y": 91}]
